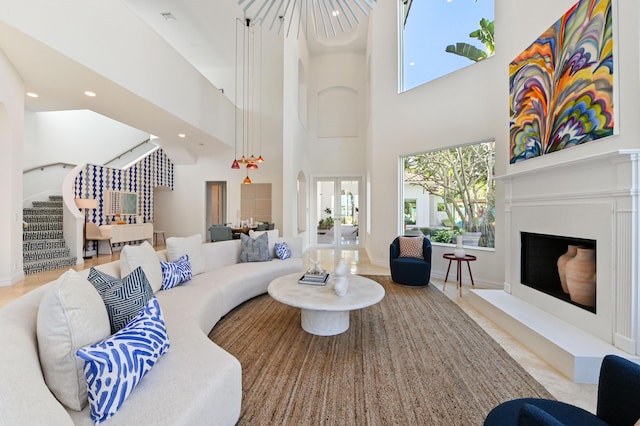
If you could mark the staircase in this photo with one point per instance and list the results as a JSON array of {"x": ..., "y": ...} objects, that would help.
[{"x": 43, "y": 244}]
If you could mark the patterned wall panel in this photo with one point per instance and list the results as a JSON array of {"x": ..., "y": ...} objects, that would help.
[{"x": 156, "y": 169}]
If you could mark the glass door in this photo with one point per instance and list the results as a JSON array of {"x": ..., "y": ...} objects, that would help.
[{"x": 337, "y": 211}]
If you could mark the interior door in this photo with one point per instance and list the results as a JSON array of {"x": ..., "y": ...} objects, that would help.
[
  {"x": 216, "y": 204},
  {"x": 337, "y": 211}
]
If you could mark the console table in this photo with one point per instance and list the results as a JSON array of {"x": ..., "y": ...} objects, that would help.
[{"x": 128, "y": 233}]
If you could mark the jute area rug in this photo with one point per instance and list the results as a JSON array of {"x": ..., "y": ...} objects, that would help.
[{"x": 413, "y": 359}]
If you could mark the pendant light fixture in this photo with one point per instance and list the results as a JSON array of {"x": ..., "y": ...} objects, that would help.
[
  {"x": 326, "y": 16},
  {"x": 248, "y": 94}
]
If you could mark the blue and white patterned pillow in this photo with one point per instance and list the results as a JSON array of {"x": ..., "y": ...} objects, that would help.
[
  {"x": 115, "y": 366},
  {"x": 123, "y": 298},
  {"x": 174, "y": 273},
  {"x": 100, "y": 280},
  {"x": 282, "y": 250}
]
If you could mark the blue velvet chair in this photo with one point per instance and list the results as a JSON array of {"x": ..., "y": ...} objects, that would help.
[
  {"x": 410, "y": 270},
  {"x": 618, "y": 402}
]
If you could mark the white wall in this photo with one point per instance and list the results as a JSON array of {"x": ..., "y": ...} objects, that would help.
[
  {"x": 304, "y": 151},
  {"x": 144, "y": 79},
  {"x": 442, "y": 113},
  {"x": 295, "y": 122},
  {"x": 470, "y": 105},
  {"x": 182, "y": 212},
  {"x": 72, "y": 137},
  {"x": 344, "y": 154},
  {"x": 69, "y": 137},
  {"x": 11, "y": 143}
]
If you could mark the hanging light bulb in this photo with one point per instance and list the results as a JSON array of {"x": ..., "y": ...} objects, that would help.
[
  {"x": 248, "y": 93},
  {"x": 246, "y": 180}
]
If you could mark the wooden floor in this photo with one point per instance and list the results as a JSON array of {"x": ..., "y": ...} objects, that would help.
[{"x": 32, "y": 281}]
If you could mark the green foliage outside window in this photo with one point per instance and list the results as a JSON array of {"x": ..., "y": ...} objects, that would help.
[{"x": 463, "y": 178}]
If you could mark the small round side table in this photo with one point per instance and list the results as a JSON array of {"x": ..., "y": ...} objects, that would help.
[{"x": 467, "y": 258}]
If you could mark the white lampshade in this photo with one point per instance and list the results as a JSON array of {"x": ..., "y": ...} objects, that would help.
[{"x": 86, "y": 203}]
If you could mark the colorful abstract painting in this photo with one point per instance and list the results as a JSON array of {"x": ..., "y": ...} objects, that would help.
[{"x": 561, "y": 86}]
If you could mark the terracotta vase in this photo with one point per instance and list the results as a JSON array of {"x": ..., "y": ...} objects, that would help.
[
  {"x": 562, "y": 262},
  {"x": 581, "y": 277}
]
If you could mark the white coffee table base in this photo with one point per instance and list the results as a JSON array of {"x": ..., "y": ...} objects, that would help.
[
  {"x": 324, "y": 313},
  {"x": 325, "y": 323}
]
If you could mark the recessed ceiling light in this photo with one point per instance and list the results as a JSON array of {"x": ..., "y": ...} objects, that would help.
[
  {"x": 182, "y": 135},
  {"x": 32, "y": 95},
  {"x": 90, "y": 93}
]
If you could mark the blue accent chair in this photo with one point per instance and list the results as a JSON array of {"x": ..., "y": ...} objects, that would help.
[
  {"x": 410, "y": 270},
  {"x": 618, "y": 402}
]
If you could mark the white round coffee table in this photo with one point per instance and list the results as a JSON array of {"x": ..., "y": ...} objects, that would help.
[{"x": 324, "y": 313}]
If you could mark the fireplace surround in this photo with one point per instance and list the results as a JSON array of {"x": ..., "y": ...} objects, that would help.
[{"x": 591, "y": 200}]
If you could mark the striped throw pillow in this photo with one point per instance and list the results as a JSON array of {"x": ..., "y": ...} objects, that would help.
[
  {"x": 411, "y": 247},
  {"x": 123, "y": 298},
  {"x": 115, "y": 366}
]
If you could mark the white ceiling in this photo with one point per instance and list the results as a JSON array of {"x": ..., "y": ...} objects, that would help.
[{"x": 203, "y": 32}]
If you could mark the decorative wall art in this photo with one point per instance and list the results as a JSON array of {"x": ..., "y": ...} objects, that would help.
[
  {"x": 135, "y": 183},
  {"x": 561, "y": 86}
]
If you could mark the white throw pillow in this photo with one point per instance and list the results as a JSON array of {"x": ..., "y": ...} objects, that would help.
[
  {"x": 143, "y": 256},
  {"x": 71, "y": 316},
  {"x": 192, "y": 246}
]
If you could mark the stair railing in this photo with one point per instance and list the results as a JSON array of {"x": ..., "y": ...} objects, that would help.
[
  {"x": 47, "y": 166},
  {"x": 118, "y": 157}
]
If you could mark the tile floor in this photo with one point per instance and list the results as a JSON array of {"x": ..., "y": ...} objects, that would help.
[{"x": 559, "y": 386}]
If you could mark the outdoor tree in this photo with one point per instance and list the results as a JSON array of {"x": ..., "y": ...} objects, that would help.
[
  {"x": 484, "y": 34},
  {"x": 463, "y": 178}
]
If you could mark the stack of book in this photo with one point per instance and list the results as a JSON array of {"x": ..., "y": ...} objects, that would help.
[{"x": 313, "y": 278}]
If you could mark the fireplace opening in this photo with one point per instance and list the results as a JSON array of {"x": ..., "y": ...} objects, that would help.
[{"x": 539, "y": 266}]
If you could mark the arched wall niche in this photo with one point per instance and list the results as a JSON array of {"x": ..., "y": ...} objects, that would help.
[{"x": 338, "y": 112}]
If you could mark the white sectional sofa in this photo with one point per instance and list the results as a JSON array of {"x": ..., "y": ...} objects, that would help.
[{"x": 195, "y": 383}]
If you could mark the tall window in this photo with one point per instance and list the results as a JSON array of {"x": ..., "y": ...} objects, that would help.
[
  {"x": 438, "y": 37},
  {"x": 454, "y": 193}
]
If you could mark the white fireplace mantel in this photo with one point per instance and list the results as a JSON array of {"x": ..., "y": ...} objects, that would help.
[{"x": 594, "y": 198}]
